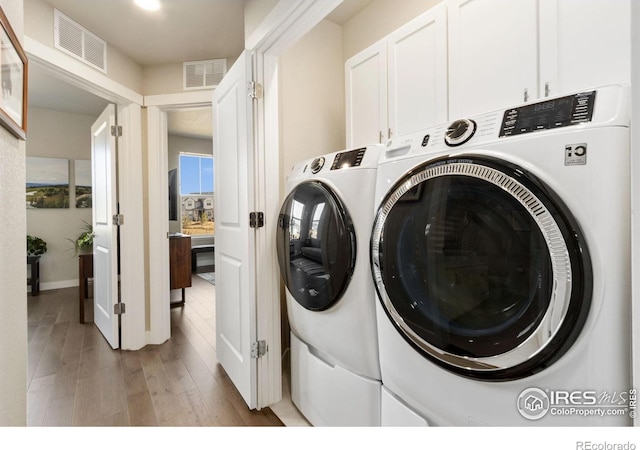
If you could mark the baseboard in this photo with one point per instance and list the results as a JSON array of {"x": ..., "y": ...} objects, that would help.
[{"x": 50, "y": 285}]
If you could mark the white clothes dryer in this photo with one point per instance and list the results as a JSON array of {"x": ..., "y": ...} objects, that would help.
[
  {"x": 323, "y": 252},
  {"x": 501, "y": 258}
]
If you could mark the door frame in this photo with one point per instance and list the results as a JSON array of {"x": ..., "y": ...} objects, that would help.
[
  {"x": 157, "y": 107},
  {"x": 283, "y": 27},
  {"x": 287, "y": 22},
  {"x": 129, "y": 111}
]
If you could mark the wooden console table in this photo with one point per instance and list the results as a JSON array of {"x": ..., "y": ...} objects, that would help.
[
  {"x": 179, "y": 264},
  {"x": 85, "y": 272}
]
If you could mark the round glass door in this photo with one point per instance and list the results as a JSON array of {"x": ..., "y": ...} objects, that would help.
[
  {"x": 316, "y": 246},
  {"x": 481, "y": 268}
]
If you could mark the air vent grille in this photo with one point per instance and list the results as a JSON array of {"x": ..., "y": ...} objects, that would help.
[
  {"x": 203, "y": 74},
  {"x": 77, "y": 41}
]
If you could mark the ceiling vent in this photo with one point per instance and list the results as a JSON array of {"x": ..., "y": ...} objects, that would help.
[
  {"x": 79, "y": 42},
  {"x": 203, "y": 74}
]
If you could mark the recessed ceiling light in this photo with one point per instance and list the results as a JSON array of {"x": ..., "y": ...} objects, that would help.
[{"x": 149, "y": 5}]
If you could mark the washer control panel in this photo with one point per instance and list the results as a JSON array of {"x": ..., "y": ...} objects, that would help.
[
  {"x": 459, "y": 132},
  {"x": 351, "y": 158},
  {"x": 559, "y": 112}
]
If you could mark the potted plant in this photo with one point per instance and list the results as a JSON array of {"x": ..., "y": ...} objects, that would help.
[
  {"x": 35, "y": 246},
  {"x": 83, "y": 242}
]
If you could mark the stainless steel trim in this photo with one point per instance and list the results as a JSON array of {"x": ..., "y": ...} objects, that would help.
[{"x": 559, "y": 255}]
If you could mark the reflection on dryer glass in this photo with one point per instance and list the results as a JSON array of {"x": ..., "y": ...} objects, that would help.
[
  {"x": 321, "y": 243},
  {"x": 470, "y": 271}
]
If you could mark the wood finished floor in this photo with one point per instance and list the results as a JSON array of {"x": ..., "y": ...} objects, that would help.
[{"x": 76, "y": 379}]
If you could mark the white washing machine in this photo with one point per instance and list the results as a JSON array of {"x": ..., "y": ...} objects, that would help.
[
  {"x": 323, "y": 251},
  {"x": 501, "y": 259}
]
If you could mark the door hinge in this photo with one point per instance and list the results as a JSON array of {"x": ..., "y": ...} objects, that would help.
[
  {"x": 116, "y": 130},
  {"x": 256, "y": 219},
  {"x": 118, "y": 309},
  {"x": 255, "y": 90},
  {"x": 258, "y": 349},
  {"x": 118, "y": 219}
]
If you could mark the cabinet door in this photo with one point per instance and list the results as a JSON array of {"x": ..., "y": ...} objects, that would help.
[
  {"x": 417, "y": 72},
  {"x": 493, "y": 54},
  {"x": 366, "y": 96},
  {"x": 179, "y": 262},
  {"x": 584, "y": 44}
]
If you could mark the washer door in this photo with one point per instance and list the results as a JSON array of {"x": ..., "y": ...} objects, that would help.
[
  {"x": 316, "y": 245},
  {"x": 481, "y": 267}
]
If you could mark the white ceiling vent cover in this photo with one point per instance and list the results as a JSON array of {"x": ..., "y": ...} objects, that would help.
[
  {"x": 77, "y": 41},
  {"x": 203, "y": 74}
]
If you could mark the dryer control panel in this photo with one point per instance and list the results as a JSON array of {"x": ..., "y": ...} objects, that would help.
[
  {"x": 559, "y": 112},
  {"x": 351, "y": 158}
]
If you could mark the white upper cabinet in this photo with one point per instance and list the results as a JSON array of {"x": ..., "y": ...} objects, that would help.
[
  {"x": 366, "y": 95},
  {"x": 417, "y": 73},
  {"x": 583, "y": 44},
  {"x": 467, "y": 57},
  {"x": 505, "y": 52},
  {"x": 399, "y": 85},
  {"x": 493, "y": 54}
]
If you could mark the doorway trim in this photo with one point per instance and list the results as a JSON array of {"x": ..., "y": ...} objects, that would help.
[
  {"x": 285, "y": 25},
  {"x": 159, "y": 329},
  {"x": 130, "y": 167}
]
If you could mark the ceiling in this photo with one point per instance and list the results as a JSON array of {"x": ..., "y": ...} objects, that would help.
[{"x": 214, "y": 29}]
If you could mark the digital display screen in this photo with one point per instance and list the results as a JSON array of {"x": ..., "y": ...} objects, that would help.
[
  {"x": 351, "y": 158},
  {"x": 560, "y": 112}
]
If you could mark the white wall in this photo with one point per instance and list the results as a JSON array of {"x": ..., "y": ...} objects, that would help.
[
  {"x": 312, "y": 111},
  {"x": 39, "y": 26},
  {"x": 254, "y": 12},
  {"x": 312, "y": 98},
  {"x": 55, "y": 134},
  {"x": 13, "y": 292}
]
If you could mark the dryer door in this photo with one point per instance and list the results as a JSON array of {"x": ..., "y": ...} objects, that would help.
[
  {"x": 316, "y": 245},
  {"x": 481, "y": 267}
]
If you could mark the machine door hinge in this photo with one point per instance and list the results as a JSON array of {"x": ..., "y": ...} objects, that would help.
[
  {"x": 118, "y": 219},
  {"x": 256, "y": 219},
  {"x": 258, "y": 349},
  {"x": 116, "y": 130},
  {"x": 118, "y": 309},
  {"x": 255, "y": 90}
]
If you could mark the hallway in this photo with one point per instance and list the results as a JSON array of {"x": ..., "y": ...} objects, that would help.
[{"x": 76, "y": 379}]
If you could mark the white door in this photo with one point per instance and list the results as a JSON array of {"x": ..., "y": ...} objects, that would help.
[
  {"x": 105, "y": 250},
  {"x": 235, "y": 240},
  {"x": 366, "y": 91}
]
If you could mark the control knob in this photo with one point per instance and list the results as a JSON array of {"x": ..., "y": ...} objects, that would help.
[
  {"x": 459, "y": 132},
  {"x": 317, "y": 165}
]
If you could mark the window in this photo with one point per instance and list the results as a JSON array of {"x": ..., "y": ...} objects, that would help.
[
  {"x": 196, "y": 174},
  {"x": 315, "y": 221},
  {"x": 196, "y": 194}
]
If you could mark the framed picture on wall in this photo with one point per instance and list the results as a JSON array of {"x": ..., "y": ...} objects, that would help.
[
  {"x": 82, "y": 173},
  {"x": 47, "y": 183},
  {"x": 13, "y": 81}
]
